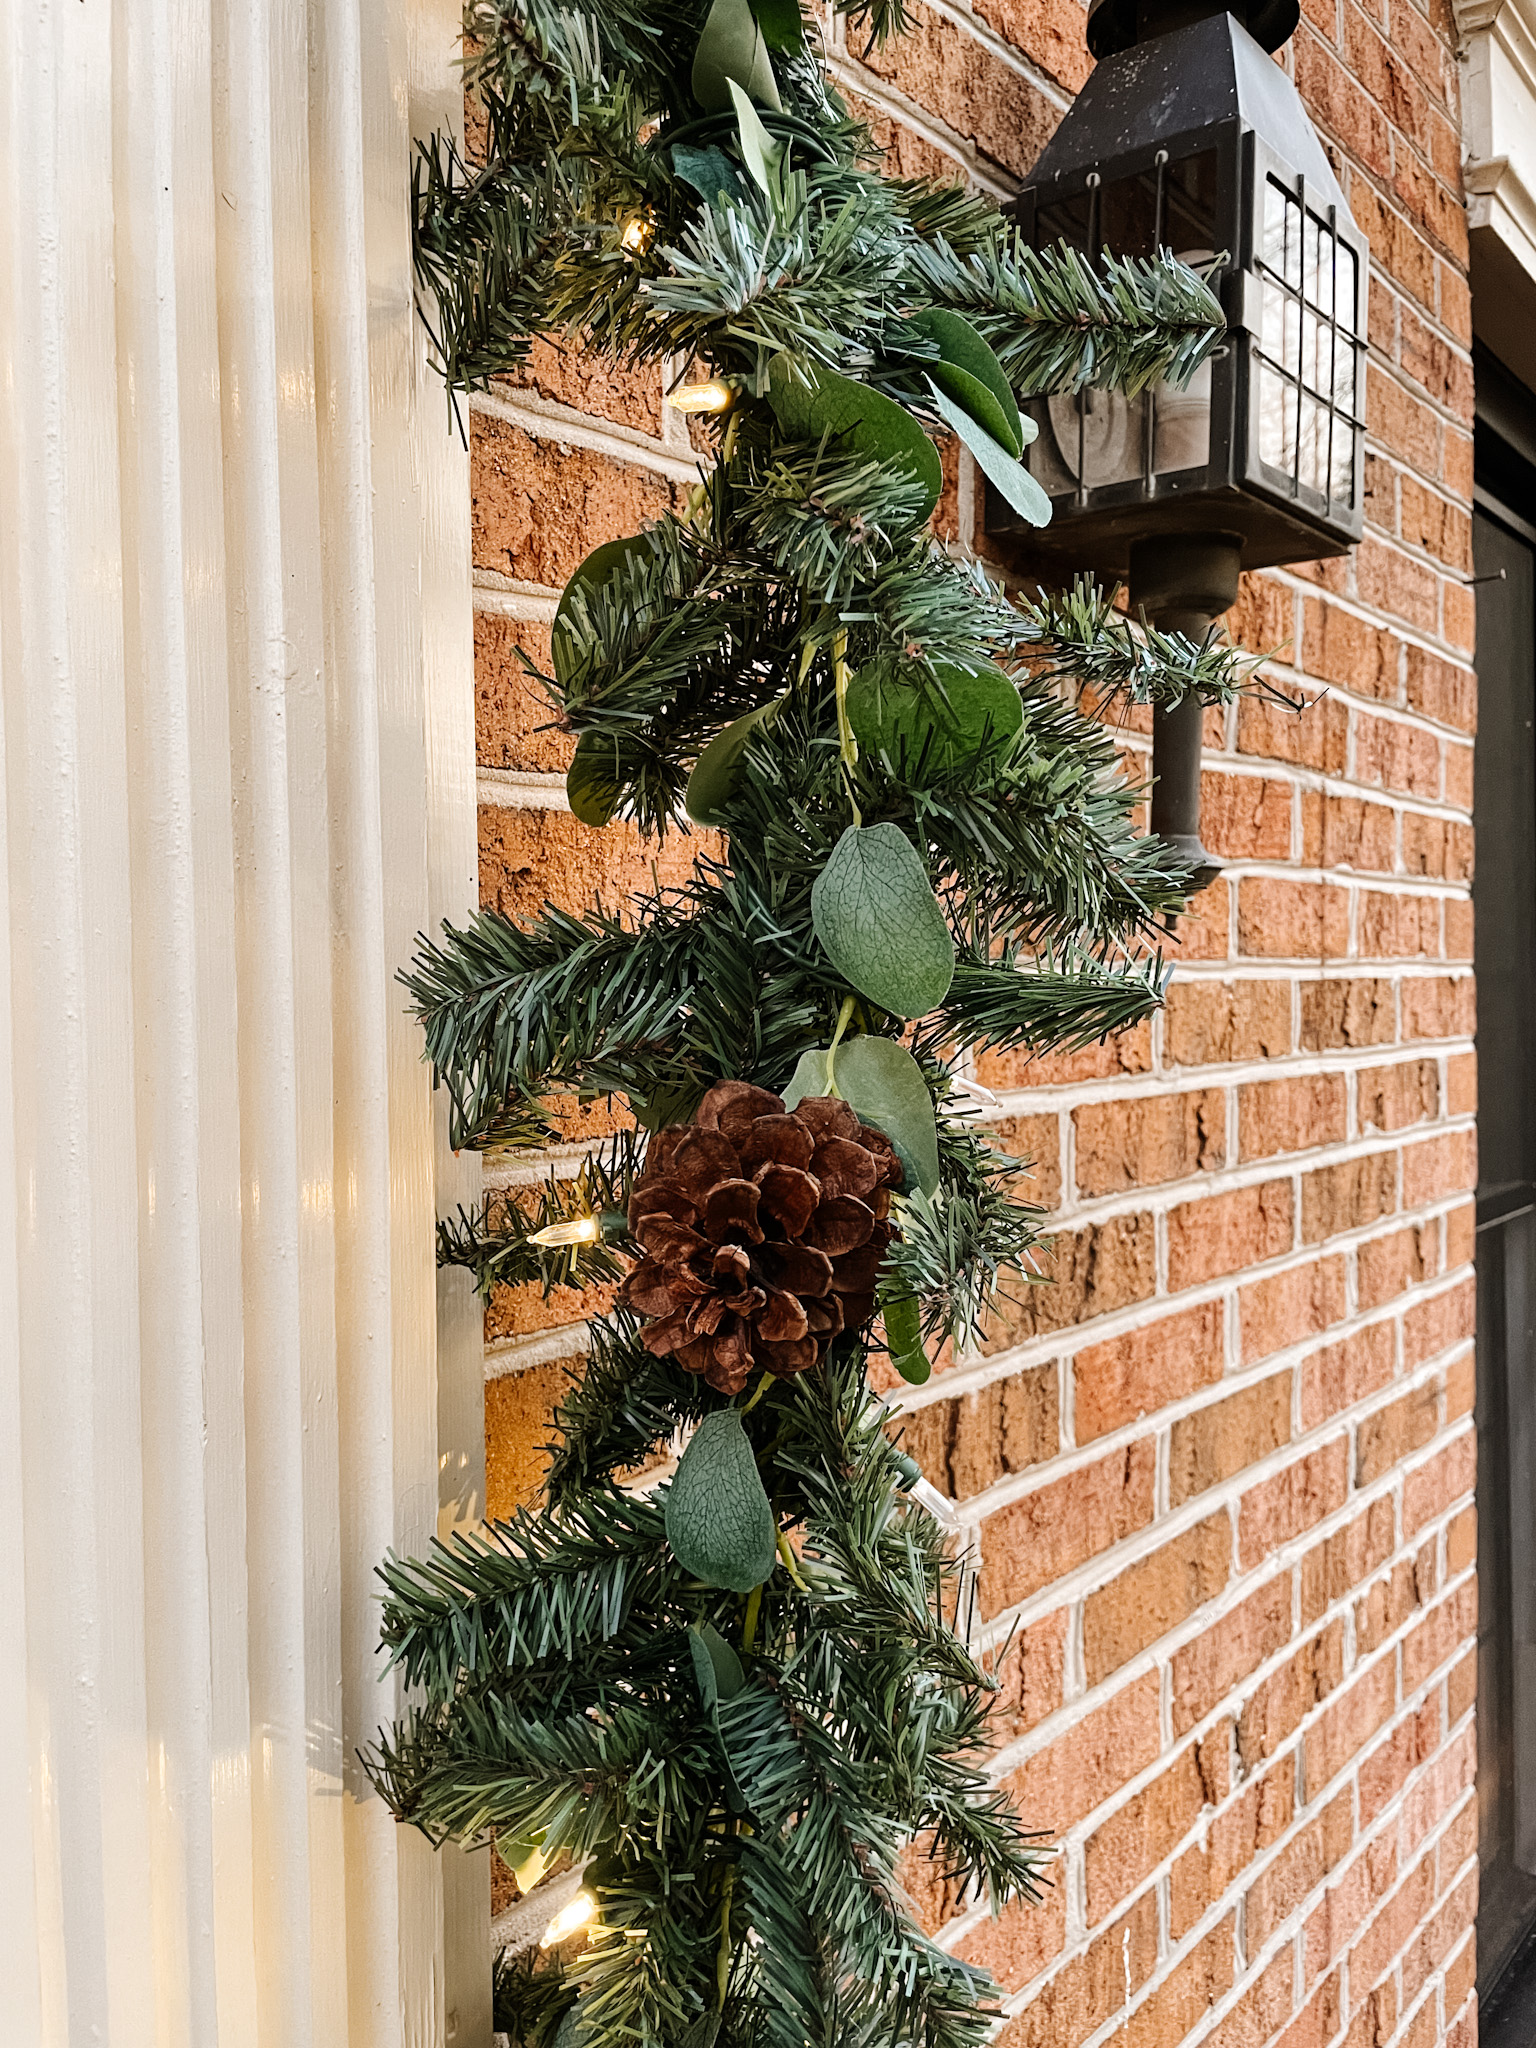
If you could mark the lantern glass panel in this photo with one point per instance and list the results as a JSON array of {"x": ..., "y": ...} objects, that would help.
[
  {"x": 1307, "y": 348},
  {"x": 1093, "y": 439}
]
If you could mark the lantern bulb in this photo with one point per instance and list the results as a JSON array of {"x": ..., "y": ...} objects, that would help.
[
  {"x": 575, "y": 1230},
  {"x": 572, "y": 1916},
  {"x": 713, "y": 396},
  {"x": 639, "y": 234}
]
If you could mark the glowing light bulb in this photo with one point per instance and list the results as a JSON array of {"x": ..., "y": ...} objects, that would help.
[
  {"x": 572, "y": 1916},
  {"x": 575, "y": 1230},
  {"x": 639, "y": 234},
  {"x": 714, "y": 396}
]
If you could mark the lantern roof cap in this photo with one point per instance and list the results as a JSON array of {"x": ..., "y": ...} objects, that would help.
[
  {"x": 1117, "y": 24},
  {"x": 1190, "y": 79}
]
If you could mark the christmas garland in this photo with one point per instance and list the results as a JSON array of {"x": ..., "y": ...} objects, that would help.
[{"x": 732, "y": 1699}]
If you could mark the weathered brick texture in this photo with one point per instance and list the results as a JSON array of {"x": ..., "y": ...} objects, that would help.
[{"x": 1218, "y": 1471}]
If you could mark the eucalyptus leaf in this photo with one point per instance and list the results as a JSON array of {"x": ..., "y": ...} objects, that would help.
[
  {"x": 587, "y": 579},
  {"x": 715, "y": 773},
  {"x": 999, "y": 467},
  {"x": 709, "y": 171},
  {"x": 718, "y": 1520},
  {"x": 591, "y": 786},
  {"x": 941, "y": 726},
  {"x": 716, "y": 1666},
  {"x": 780, "y": 23},
  {"x": 879, "y": 921},
  {"x": 883, "y": 1085},
  {"x": 904, "y": 1339},
  {"x": 759, "y": 152},
  {"x": 876, "y": 425},
  {"x": 732, "y": 46},
  {"x": 971, "y": 374}
]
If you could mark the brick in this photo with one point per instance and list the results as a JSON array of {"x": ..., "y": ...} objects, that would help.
[
  {"x": 1459, "y": 923},
  {"x": 1451, "y": 1921},
  {"x": 1280, "y": 1705},
  {"x": 1129, "y": 1052},
  {"x": 1260, "y": 2011},
  {"x": 1128, "y": 1376},
  {"x": 1215, "y": 1442},
  {"x": 1443, "y": 1786},
  {"x": 589, "y": 384},
  {"x": 519, "y": 1407},
  {"x": 1026, "y": 1936},
  {"x": 541, "y": 506},
  {"x": 1435, "y": 1325},
  {"x": 1439, "y": 1635},
  {"x": 511, "y": 712},
  {"x": 1152, "y": 1138},
  {"x": 1154, "y": 1595},
  {"x": 1392, "y": 753},
  {"x": 1393, "y": 1925},
  {"x": 1092, "y": 1986},
  {"x": 1185, "y": 1996},
  {"x": 1036, "y": 1139},
  {"x": 1439, "y": 1167},
  {"x": 1290, "y": 1306},
  {"x": 1290, "y": 1115},
  {"x": 1461, "y": 1084},
  {"x": 1339, "y": 647},
  {"x": 1208, "y": 1022},
  {"x": 1245, "y": 817},
  {"x": 1339, "y": 1013},
  {"x": 1347, "y": 1195},
  {"x": 1437, "y": 846},
  {"x": 1392, "y": 1098},
  {"x": 1087, "y": 1272},
  {"x": 1279, "y": 1509},
  {"x": 1341, "y": 1374},
  {"x": 1399, "y": 927},
  {"x": 1279, "y": 919},
  {"x": 1461, "y": 1541},
  {"x": 955, "y": 76},
  {"x": 1302, "y": 1865},
  {"x": 1052, "y": 1531},
  {"x": 1458, "y": 774},
  {"x": 1216, "y": 1661},
  {"x": 1430, "y": 1489},
  {"x": 1389, "y": 1602},
  {"x": 1316, "y": 737},
  {"x": 1385, "y": 1769},
  {"x": 532, "y": 857},
  {"x": 1347, "y": 1724},
  {"x": 967, "y": 1444},
  {"x": 1031, "y": 1679},
  {"x": 1111, "y": 1744},
  {"x": 1223, "y": 1233},
  {"x": 1438, "y": 1006},
  {"x": 1345, "y": 1559},
  {"x": 1441, "y": 689},
  {"x": 1390, "y": 1434},
  {"x": 1348, "y": 832},
  {"x": 1319, "y": 2019},
  {"x": 1460, "y": 1235},
  {"x": 1349, "y": 1901},
  {"x": 1253, "y": 1822},
  {"x": 1388, "y": 1266},
  {"x": 1136, "y": 1838}
]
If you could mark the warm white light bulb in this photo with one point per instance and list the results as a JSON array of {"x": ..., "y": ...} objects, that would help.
[
  {"x": 576, "y": 1230},
  {"x": 715, "y": 396},
  {"x": 639, "y": 234},
  {"x": 571, "y": 1917}
]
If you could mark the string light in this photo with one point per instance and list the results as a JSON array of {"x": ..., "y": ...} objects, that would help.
[
  {"x": 572, "y": 1916},
  {"x": 575, "y": 1230},
  {"x": 639, "y": 234},
  {"x": 715, "y": 396}
]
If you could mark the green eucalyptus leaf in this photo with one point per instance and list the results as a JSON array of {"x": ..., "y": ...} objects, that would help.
[
  {"x": 709, "y": 171},
  {"x": 876, "y": 425},
  {"x": 591, "y": 786},
  {"x": 904, "y": 1339},
  {"x": 780, "y": 23},
  {"x": 732, "y": 46},
  {"x": 1000, "y": 468},
  {"x": 718, "y": 1520},
  {"x": 589, "y": 577},
  {"x": 715, "y": 773},
  {"x": 883, "y": 1085},
  {"x": 759, "y": 152},
  {"x": 879, "y": 921},
  {"x": 912, "y": 724},
  {"x": 716, "y": 1666},
  {"x": 971, "y": 374}
]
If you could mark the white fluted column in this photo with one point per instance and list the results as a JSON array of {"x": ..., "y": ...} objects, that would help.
[{"x": 237, "y": 729}]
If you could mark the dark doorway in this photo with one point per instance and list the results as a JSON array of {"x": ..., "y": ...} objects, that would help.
[{"x": 1504, "y": 543}]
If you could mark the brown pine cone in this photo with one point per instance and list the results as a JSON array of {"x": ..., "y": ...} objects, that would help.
[{"x": 763, "y": 1231}]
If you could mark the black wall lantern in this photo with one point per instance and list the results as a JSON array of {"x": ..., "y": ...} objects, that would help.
[{"x": 1188, "y": 137}]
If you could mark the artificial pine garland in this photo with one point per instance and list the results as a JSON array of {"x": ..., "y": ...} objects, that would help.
[{"x": 735, "y": 1697}]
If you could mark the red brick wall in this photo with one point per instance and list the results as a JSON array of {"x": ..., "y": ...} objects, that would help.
[{"x": 1219, "y": 1468}]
